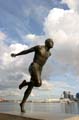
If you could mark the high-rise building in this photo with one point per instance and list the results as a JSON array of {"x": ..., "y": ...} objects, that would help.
[{"x": 77, "y": 96}]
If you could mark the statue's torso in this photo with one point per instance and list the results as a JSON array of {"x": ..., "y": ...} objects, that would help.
[{"x": 41, "y": 55}]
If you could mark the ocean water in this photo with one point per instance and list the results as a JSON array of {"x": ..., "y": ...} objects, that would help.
[{"x": 72, "y": 108}]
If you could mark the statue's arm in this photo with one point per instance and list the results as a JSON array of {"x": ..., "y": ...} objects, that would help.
[{"x": 24, "y": 52}]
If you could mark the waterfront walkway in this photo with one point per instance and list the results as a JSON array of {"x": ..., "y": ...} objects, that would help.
[{"x": 37, "y": 116}]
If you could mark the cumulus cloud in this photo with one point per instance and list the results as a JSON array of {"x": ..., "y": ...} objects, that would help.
[
  {"x": 2, "y": 35},
  {"x": 62, "y": 26},
  {"x": 35, "y": 39},
  {"x": 12, "y": 70},
  {"x": 32, "y": 94},
  {"x": 46, "y": 85},
  {"x": 31, "y": 37}
]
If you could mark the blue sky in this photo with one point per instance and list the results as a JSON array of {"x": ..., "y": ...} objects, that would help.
[
  {"x": 22, "y": 17},
  {"x": 25, "y": 23}
]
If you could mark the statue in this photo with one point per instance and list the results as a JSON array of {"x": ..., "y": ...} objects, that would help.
[{"x": 42, "y": 52}]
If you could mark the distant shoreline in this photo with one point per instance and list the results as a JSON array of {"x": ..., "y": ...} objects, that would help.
[{"x": 42, "y": 101}]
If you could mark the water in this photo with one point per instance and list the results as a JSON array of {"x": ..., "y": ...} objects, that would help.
[{"x": 64, "y": 108}]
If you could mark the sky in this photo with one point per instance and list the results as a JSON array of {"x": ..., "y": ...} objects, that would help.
[{"x": 26, "y": 23}]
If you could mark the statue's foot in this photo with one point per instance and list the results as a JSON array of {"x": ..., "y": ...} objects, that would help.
[
  {"x": 22, "y": 84},
  {"x": 22, "y": 108}
]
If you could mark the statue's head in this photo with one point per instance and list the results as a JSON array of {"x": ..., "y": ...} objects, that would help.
[{"x": 49, "y": 43}]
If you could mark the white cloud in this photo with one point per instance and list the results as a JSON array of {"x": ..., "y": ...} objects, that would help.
[
  {"x": 65, "y": 32},
  {"x": 17, "y": 47},
  {"x": 10, "y": 92},
  {"x": 35, "y": 39},
  {"x": 46, "y": 85},
  {"x": 2, "y": 35},
  {"x": 32, "y": 94},
  {"x": 12, "y": 70},
  {"x": 31, "y": 37},
  {"x": 6, "y": 53},
  {"x": 62, "y": 26}
]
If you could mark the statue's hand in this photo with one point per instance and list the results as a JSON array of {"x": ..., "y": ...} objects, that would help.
[{"x": 13, "y": 55}]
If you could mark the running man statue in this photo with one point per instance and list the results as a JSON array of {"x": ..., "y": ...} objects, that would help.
[{"x": 42, "y": 52}]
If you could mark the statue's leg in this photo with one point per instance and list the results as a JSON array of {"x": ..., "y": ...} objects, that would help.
[
  {"x": 35, "y": 72},
  {"x": 24, "y": 83},
  {"x": 37, "y": 79},
  {"x": 26, "y": 95}
]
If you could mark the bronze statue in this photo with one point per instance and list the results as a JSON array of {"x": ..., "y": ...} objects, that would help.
[{"x": 41, "y": 55}]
